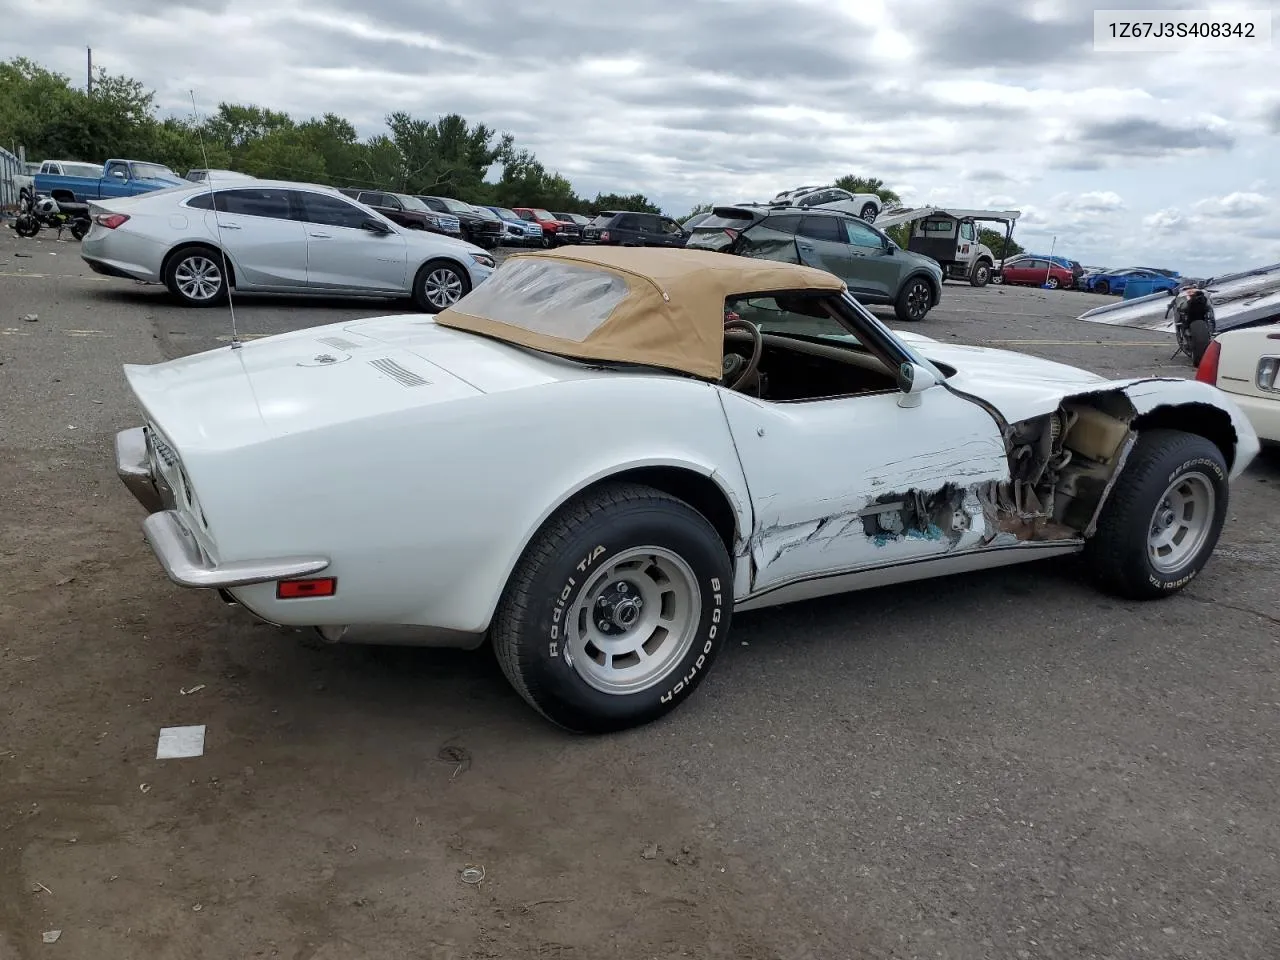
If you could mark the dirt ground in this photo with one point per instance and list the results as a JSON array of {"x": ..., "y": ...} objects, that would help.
[{"x": 998, "y": 765}]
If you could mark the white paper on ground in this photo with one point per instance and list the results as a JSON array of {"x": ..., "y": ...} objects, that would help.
[{"x": 178, "y": 742}]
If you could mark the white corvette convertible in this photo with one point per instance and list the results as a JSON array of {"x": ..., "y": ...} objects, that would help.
[{"x": 599, "y": 455}]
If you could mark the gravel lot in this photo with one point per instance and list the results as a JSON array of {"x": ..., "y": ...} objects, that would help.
[{"x": 995, "y": 765}]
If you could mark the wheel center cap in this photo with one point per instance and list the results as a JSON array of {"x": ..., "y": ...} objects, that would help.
[{"x": 626, "y": 612}]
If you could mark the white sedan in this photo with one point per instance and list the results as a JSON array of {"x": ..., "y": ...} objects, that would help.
[
  {"x": 1246, "y": 364},
  {"x": 864, "y": 205},
  {"x": 601, "y": 454},
  {"x": 267, "y": 236}
]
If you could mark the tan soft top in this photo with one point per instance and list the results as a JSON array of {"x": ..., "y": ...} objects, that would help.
[{"x": 662, "y": 307}]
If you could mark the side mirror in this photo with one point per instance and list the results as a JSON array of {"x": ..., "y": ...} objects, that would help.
[
  {"x": 888, "y": 249},
  {"x": 375, "y": 226},
  {"x": 913, "y": 380},
  {"x": 118, "y": 173}
]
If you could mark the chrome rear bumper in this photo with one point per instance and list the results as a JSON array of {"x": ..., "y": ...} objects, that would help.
[
  {"x": 173, "y": 543},
  {"x": 133, "y": 464}
]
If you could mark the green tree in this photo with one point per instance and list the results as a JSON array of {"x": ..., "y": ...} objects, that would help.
[
  {"x": 635, "y": 202},
  {"x": 700, "y": 208},
  {"x": 995, "y": 240},
  {"x": 857, "y": 184}
]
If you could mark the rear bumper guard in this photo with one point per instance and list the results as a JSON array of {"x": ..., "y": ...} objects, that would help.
[{"x": 173, "y": 543}]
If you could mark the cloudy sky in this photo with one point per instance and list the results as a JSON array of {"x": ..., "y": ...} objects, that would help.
[{"x": 1161, "y": 158}]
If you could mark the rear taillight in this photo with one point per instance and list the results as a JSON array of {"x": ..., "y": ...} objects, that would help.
[
  {"x": 110, "y": 220},
  {"x": 1207, "y": 372},
  {"x": 731, "y": 233}
]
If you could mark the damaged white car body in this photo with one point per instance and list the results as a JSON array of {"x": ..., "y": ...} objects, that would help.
[{"x": 599, "y": 455}]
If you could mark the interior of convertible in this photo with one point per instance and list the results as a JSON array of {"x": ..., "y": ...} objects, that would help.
[{"x": 804, "y": 353}]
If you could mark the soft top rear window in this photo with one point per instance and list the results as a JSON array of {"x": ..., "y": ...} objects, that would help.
[{"x": 555, "y": 299}]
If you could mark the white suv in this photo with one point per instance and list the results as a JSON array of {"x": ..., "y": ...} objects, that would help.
[{"x": 864, "y": 205}]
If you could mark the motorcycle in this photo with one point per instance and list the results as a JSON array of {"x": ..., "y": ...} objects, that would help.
[
  {"x": 1194, "y": 323},
  {"x": 44, "y": 212}
]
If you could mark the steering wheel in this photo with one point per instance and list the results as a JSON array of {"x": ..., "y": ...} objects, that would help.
[{"x": 739, "y": 371}]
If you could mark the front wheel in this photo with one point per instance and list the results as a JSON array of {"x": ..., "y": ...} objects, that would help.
[
  {"x": 616, "y": 610},
  {"x": 981, "y": 274},
  {"x": 869, "y": 212},
  {"x": 1053, "y": 283},
  {"x": 914, "y": 301},
  {"x": 1163, "y": 518},
  {"x": 26, "y": 225},
  {"x": 439, "y": 284},
  {"x": 1102, "y": 287}
]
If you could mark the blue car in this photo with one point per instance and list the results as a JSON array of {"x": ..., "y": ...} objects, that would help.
[
  {"x": 519, "y": 231},
  {"x": 1114, "y": 281}
]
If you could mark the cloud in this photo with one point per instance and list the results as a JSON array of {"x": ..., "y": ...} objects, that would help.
[
  {"x": 691, "y": 101},
  {"x": 1148, "y": 137},
  {"x": 1235, "y": 206}
]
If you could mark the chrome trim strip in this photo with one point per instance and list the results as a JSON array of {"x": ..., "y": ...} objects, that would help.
[
  {"x": 186, "y": 565},
  {"x": 133, "y": 465}
]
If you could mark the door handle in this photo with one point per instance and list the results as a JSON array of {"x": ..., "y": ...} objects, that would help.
[
  {"x": 228, "y": 226},
  {"x": 322, "y": 236}
]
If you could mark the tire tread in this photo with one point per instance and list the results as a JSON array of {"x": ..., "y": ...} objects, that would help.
[
  {"x": 1110, "y": 550},
  {"x": 518, "y": 599}
]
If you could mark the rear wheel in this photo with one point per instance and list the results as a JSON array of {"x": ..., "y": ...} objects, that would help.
[
  {"x": 1163, "y": 518},
  {"x": 1198, "y": 337},
  {"x": 197, "y": 277},
  {"x": 914, "y": 300},
  {"x": 868, "y": 212},
  {"x": 1102, "y": 287},
  {"x": 616, "y": 610},
  {"x": 439, "y": 284},
  {"x": 1053, "y": 283}
]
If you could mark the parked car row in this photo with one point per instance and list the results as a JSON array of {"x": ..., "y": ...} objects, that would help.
[{"x": 279, "y": 237}]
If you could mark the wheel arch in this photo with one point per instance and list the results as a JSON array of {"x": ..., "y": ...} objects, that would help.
[
  {"x": 1204, "y": 419},
  {"x": 190, "y": 244},
  {"x": 698, "y": 485},
  {"x": 935, "y": 287}
]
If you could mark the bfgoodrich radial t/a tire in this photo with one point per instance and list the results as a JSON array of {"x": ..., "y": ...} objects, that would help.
[
  {"x": 616, "y": 610},
  {"x": 1163, "y": 518}
]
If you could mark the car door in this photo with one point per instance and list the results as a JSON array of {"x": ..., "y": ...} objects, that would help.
[
  {"x": 265, "y": 241},
  {"x": 344, "y": 255},
  {"x": 832, "y": 479},
  {"x": 626, "y": 230},
  {"x": 115, "y": 180},
  {"x": 878, "y": 267},
  {"x": 1024, "y": 270},
  {"x": 671, "y": 233},
  {"x": 823, "y": 243}
]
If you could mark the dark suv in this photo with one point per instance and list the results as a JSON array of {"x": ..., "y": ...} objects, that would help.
[
  {"x": 622, "y": 228},
  {"x": 482, "y": 229},
  {"x": 876, "y": 269},
  {"x": 407, "y": 211}
]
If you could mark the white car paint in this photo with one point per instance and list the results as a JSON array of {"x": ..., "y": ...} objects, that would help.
[
  {"x": 432, "y": 456},
  {"x": 1241, "y": 353},
  {"x": 269, "y": 254},
  {"x": 833, "y": 198}
]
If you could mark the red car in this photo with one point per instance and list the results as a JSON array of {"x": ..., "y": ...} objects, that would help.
[
  {"x": 554, "y": 232},
  {"x": 1035, "y": 272}
]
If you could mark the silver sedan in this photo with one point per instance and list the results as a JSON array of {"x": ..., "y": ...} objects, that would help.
[{"x": 269, "y": 236}]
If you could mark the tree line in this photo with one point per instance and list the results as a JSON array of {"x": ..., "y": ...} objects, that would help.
[{"x": 43, "y": 112}]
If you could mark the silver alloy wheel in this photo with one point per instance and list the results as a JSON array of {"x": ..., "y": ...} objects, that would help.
[
  {"x": 1181, "y": 523},
  {"x": 442, "y": 287},
  {"x": 1052, "y": 283},
  {"x": 981, "y": 273},
  {"x": 198, "y": 277},
  {"x": 634, "y": 621}
]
